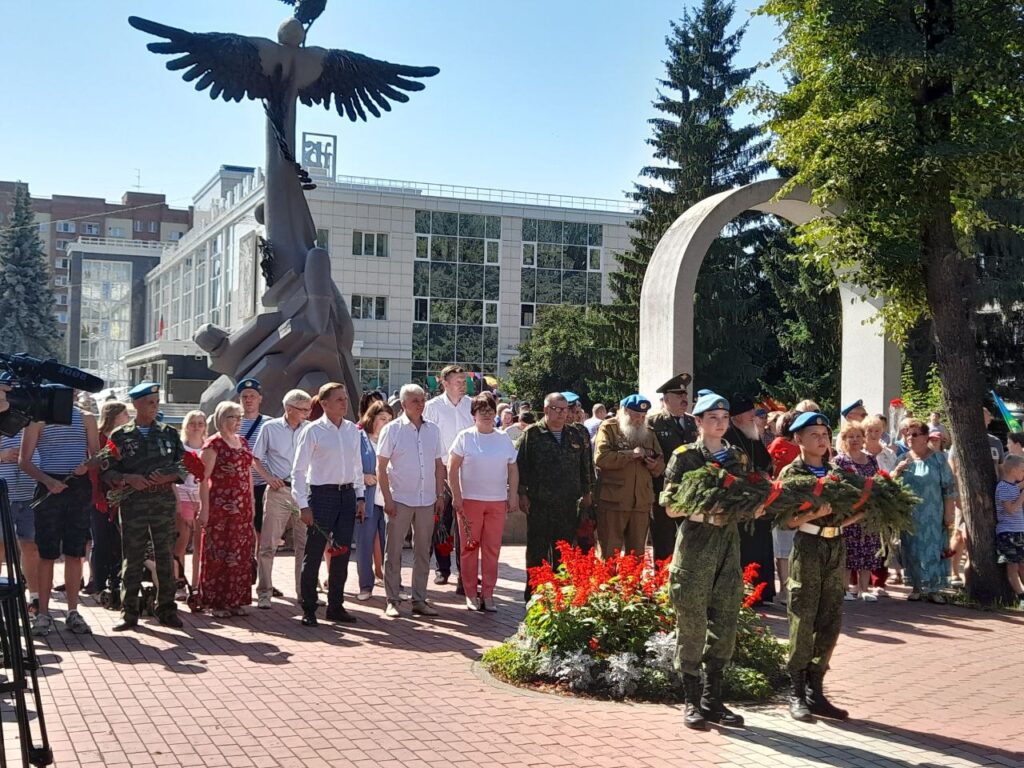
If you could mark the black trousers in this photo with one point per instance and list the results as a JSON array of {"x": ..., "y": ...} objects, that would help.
[
  {"x": 105, "y": 562},
  {"x": 663, "y": 532},
  {"x": 334, "y": 515},
  {"x": 756, "y": 547},
  {"x": 258, "y": 492}
]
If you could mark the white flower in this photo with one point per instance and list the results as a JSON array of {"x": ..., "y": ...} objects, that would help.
[
  {"x": 622, "y": 674},
  {"x": 661, "y": 651}
]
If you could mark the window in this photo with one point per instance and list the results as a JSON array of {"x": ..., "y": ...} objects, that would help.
[
  {"x": 137, "y": 225},
  {"x": 66, "y": 226},
  {"x": 154, "y": 227},
  {"x": 369, "y": 307},
  {"x": 62, "y": 245},
  {"x": 44, "y": 228},
  {"x": 61, "y": 263},
  {"x": 422, "y": 310},
  {"x": 323, "y": 239},
  {"x": 490, "y": 313},
  {"x": 373, "y": 373},
  {"x": 369, "y": 243},
  {"x": 90, "y": 228},
  {"x": 561, "y": 262},
  {"x": 175, "y": 235},
  {"x": 526, "y": 315},
  {"x": 115, "y": 232},
  {"x": 62, "y": 317},
  {"x": 61, "y": 281},
  {"x": 62, "y": 299}
]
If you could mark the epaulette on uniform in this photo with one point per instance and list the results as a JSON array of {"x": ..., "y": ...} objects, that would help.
[{"x": 681, "y": 449}]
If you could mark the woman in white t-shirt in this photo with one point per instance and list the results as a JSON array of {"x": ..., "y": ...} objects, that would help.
[{"x": 484, "y": 479}]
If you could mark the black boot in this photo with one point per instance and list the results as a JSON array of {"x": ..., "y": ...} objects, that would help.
[
  {"x": 692, "y": 717},
  {"x": 816, "y": 700},
  {"x": 798, "y": 708},
  {"x": 711, "y": 705}
]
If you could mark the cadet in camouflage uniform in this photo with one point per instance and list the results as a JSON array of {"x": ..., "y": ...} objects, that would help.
[
  {"x": 148, "y": 450},
  {"x": 555, "y": 471},
  {"x": 706, "y": 578},
  {"x": 673, "y": 427},
  {"x": 817, "y": 579}
]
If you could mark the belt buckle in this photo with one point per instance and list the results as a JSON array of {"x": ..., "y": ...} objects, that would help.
[{"x": 831, "y": 531}]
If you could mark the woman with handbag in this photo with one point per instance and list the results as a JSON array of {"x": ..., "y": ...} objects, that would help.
[{"x": 226, "y": 515}]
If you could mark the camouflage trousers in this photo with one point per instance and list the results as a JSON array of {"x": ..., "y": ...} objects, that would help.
[
  {"x": 706, "y": 588},
  {"x": 817, "y": 583},
  {"x": 147, "y": 517}
]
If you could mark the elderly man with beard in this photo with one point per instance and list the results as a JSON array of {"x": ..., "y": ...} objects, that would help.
[
  {"x": 756, "y": 541},
  {"x": 628, "y": 458}
]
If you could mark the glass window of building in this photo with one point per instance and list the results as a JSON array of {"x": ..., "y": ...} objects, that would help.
[
  {"x": 369, "y": 307},
  {"x": 369, "y": 243},
  {"x": 456, "y": 289},
  {"x": 373, "y": 373},
  {"x": 90, "y": 228},
  {"x": 106, "y": 319},
  {"x": 323, "y": 239},
  {"x": 561, "y": 262}
]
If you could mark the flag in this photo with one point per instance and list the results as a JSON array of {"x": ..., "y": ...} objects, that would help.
[{"x": 1008, "y": 417}]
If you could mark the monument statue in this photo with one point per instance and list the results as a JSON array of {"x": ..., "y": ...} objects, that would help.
[{"x": 304, "y": 338}]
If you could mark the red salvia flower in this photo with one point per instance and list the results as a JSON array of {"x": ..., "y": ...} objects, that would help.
[{"x": 594, "y": 645}]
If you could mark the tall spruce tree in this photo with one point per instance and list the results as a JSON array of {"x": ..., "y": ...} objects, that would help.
[
  {"x": 699, "y": 153},
  {"x": 27, "y": 322}
]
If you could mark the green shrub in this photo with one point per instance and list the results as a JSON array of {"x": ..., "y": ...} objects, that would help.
[
  {"x": 745, "y": 684},
  {"x": 511, "y": 663}
]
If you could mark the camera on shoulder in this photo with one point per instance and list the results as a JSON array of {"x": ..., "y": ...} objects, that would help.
[{"x": 40, "y": 390}]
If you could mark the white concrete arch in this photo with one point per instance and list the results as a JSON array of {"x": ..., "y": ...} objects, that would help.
[{"x": 870, "y": 364}]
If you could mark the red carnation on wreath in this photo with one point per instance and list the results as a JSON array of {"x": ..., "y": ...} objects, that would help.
[{"x": 194, "y": 465}]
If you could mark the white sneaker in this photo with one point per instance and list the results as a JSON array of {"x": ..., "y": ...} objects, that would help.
[
  {"x": 850, "y": 597},
  {"x": 364, "y": 595},
  {"x": 264, "y": 602},
  {"x": 472, "y": 605},
  {"x": 392, "y": 610},
  {"x": 867, "y": 597},
  {"x": 489, "y": 606}
]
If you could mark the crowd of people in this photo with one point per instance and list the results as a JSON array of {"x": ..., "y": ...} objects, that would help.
[{"x": 445, "y": 472}]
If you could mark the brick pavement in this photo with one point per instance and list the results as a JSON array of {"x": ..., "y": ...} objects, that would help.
[{"x": 927, "y": 686}]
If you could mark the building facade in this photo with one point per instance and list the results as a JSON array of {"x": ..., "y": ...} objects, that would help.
[{"x": 432, "y": 275}]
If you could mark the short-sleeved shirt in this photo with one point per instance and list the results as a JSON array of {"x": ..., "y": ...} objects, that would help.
[
  {"x": 449, "y": 418},
  {"x": 485, "y": 460},
  {"x": 412, "y": 455},
  {"x": 1008, "y": 522},
  {"x": 20, "y": 487},
  {"x": 250, "y": 430}
]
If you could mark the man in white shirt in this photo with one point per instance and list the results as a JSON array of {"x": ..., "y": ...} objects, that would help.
[
  {"x": 411, "y": 477},
  {"x": 327, "y": 486},
  {"x": 450, "y": 411},
  {"x": 598, "y": 414},
  {"x": 273, "y": 456}
]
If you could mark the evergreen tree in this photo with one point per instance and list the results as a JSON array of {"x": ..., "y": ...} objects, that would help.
[
  {"x": 699, "y": 153},
  {"x": 27, "y": 322}
]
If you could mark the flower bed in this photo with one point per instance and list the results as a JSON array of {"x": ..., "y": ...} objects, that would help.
[{"x": 607, "y": 628}]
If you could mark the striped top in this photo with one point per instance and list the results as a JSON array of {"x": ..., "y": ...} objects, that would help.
[
  {"x": 721, "y": 455},
  {"x": 62, "y": 447},
  {"x": 20, "y": 486},
  {"x": 243, "y": 431},
  {"x": 1008, "y": 522},
  {"x": 817, "y": 471}
]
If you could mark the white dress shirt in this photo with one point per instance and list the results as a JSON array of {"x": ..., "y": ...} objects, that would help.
[
  {"x": 275, "y": 446},
  {"x": 412, "y": 456},
  {"x": 450, "y": 419},
  {"x": 327, "y": 455}
]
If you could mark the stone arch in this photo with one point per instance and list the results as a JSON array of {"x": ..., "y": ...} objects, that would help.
[{"x": 870, "y": 364}]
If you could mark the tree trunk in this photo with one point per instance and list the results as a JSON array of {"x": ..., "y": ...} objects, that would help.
[{"x": 949, "y": 286}]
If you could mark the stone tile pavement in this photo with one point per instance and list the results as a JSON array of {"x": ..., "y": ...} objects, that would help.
[{"x": 928, "y": 687}]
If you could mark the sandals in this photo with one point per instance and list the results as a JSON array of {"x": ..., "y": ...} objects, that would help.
[
  {"x": 221, "y": 613},
  {"x": 239, "y": 610}
]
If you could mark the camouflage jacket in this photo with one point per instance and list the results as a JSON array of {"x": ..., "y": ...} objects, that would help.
[
  {"x": 687, "y": 458},
  {"x": 161, "y": 449},
  {"x": 669, "y": 432},
  {"x": 554, "y": 471}
]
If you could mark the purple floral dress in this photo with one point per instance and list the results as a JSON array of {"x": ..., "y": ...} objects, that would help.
[{"x": 861, "y": 548}]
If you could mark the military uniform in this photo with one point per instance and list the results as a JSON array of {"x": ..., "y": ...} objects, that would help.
[
  {"x": 147, "y": 515},
  {"x": 671, "y": 432},
  {"x": 554, "y": 476}
]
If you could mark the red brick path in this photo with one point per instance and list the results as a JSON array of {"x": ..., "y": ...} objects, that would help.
[{"x": 927, "y": 686}]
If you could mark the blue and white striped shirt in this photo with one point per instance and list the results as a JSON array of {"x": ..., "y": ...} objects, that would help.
[
  {"x": 817, "y": 471},
  {"x": 20, "y": 486},
  {"x": 243, "y": 431},
  {"x": 1008, "y": 522},
  {"x": 62, "y": 447}
]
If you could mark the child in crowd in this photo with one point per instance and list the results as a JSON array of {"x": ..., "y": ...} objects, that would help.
[{"x": 1010, "y": 522}]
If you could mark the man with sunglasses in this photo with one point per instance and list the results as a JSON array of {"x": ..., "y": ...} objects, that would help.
[{"x": 673, "y": 427}]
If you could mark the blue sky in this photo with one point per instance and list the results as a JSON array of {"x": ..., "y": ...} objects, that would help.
[{"x": 535, "y": 96}]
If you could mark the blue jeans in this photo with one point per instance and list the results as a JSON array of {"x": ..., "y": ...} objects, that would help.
[
  {"x": 366, "y": 534},
  {"x": 334, "y": 514}
]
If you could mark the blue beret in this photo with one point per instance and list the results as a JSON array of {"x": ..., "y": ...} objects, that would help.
[
  {"x": 637, "y": 403},
  {"x": 809, "y": 419},
  {"x": 143, "y": 389},
  {"x": 571, "y": 397},
  {"x": 249, "y": 383},
  {"x": 702, "y": 392},
  {"x": 710, "y": 402},
  {"x": 850, "y": 406}
]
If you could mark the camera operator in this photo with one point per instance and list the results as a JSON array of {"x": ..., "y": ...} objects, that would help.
[
  {"x": 20, "y": 488},
  {"x": 62, "y": 515}
]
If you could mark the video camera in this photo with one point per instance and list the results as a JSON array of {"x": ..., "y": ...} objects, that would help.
[{"x": 41, "y": 390}]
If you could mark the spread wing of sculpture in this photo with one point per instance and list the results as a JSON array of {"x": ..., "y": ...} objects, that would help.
[{"x": 304, "y": 336}]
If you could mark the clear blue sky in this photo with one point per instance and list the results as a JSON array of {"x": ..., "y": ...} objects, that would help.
[{"x": 538, "y": 96}]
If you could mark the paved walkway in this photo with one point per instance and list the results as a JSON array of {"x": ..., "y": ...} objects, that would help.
[{"x": 927, "y": 686}]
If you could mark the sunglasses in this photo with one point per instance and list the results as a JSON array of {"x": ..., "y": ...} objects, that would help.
[{"x": 917, "y": 434}]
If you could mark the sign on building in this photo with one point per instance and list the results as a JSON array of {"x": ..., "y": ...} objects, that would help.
[{"x": 319, "y": 155}]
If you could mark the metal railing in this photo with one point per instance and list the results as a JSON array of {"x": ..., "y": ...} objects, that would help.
[{"x": 122, "y": 242}]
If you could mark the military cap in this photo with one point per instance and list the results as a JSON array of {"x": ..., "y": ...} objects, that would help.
[
  {"x": 710, "y": 402},
  {"x": 740, "y": 403},
  {"x": 143, "y": 389},
  {"x": 676, "y": 384},
  {"x": 702, "y": 392},
  {"x": 850, "y": 406},
  {"x": 637, "y": 403},
  {"x": 809, "y": 419},
  {"x": 249, "y": 383},
  {"x": 571, "y": 397}
]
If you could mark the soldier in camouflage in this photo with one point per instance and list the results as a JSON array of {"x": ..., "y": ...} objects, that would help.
[
  {"x": 149, "y": 453},
  {"x": 555, "y": 471},
  {"x": 706, "y": 579},
  {"x": 817, "y": 575},
  {"x": 673, "y": 427}
]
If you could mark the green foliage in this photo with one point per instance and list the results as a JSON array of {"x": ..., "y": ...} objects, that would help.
[
  {"x": 511, "y": 663},
  {"x": 27, "y": 322},
  {"x": 921, "y": 401},
  {"x": 746, "y": 684}
]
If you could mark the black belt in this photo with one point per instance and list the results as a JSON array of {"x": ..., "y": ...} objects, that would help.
[{"x": 336, "y": 486}]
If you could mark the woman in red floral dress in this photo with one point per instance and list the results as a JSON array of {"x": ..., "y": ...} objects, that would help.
[{"x": 226, "y": 516}]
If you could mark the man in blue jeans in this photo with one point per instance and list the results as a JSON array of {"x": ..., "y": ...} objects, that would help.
[{"x": 327, "y": 486}]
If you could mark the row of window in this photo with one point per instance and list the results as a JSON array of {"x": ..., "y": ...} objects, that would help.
[
  {"x": 92, "y": 228},
  {"x": 369, "y": 307}
]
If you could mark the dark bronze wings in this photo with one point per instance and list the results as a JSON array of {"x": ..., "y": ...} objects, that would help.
[
  {"x": 357, "y": 82},
  {"x": 229, "y": 65}
]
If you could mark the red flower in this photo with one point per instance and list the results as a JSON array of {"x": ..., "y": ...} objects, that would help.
[
  {"x": 750, "y": 572},
  {"x": 896, "y": 403},
  {"x": 194, "y": 465},
  {"x": 338, "y": 550},
  {"x": 112, "y": 450},
  {"x": 755, "y": 596},
  {"x": 594, "y": 645},
  {"x": 884, "y": 474}
]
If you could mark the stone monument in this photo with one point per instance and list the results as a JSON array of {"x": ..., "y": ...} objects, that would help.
[{"x": 304, "y": 336}]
